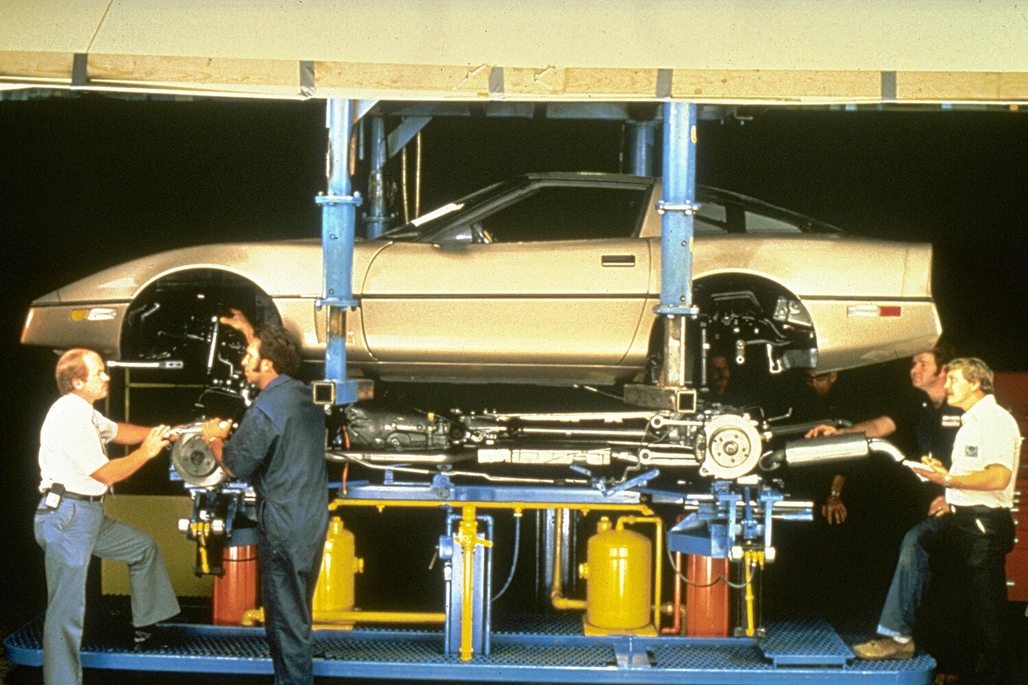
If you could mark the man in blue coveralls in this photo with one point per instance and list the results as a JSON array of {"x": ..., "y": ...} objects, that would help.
[{"x": 279, "y": 446}]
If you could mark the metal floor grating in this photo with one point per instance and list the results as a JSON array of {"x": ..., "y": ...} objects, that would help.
[
  {"x": 562, "y": 654},
  {"x": 809, "y": 643}
]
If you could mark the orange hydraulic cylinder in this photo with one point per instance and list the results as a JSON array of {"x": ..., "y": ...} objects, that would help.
[
  {"x": 236, "y": 592},
  {"x": 706, "y": 600}
]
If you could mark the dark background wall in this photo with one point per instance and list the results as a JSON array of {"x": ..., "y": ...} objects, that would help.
[{"x": 89, "y": 182}]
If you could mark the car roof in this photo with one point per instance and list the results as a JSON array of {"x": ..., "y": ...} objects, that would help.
[
  {"x": 736, "y": 206},
  {"x": 704, "y": 193}
]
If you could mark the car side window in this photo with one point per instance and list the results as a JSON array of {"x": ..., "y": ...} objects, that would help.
[
  {"x": 711, "y": 219},
  {"x": 566, "y": 213},
  {"x": 762, "y": 223}
]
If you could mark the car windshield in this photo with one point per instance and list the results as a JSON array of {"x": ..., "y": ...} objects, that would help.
[{"x": 432, "y": 221}]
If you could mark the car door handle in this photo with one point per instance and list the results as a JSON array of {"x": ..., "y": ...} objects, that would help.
[{"x": 617, "y": 260}]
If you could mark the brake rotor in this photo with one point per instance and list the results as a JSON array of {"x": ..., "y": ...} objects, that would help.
[
  {"x": 194, "y": 461},
  {"x": 732, "y": 447}
]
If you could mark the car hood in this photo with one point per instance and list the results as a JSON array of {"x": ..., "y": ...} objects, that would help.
[{"x": 282, "y": 268}]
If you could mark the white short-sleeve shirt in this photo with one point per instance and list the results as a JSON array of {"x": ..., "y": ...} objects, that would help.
[
  {"x": 71, "y": 445},
  {"x": 988, "y": 435}
]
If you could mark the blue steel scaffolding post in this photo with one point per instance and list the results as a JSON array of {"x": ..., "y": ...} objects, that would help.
[
  {"x": 640, "y": 147},
  {"x": 677, "y": 208},
  {"x": 376, "y": 222},
  {"x": 338, "y": 210}
]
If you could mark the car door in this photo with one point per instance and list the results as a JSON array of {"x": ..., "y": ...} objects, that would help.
[{"x": 539, "y": 278}]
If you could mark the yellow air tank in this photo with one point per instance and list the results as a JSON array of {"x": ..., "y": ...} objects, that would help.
[
  {"x": 619, "y": 566},
  {"x": 339, "y": 564}
]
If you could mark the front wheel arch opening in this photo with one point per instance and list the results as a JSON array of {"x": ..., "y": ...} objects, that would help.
[{"x": 174, "y": 318}]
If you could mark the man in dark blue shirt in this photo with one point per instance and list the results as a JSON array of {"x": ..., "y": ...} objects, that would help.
[
  {"x": 922, "y": 424},
  {"x": 279, "y": 447},
  {"x": 931, "y": 424}
]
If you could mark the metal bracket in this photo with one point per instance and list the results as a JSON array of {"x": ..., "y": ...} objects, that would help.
[
  {"x": 641, "y": 479},
  {"x": 688, "y": 208},
  {"x": 356, "y": 200},
  {"x": 631, "y": 654},
  {"x": 333, "y": 392}
]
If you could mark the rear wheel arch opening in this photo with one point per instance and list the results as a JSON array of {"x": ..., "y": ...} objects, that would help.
[{"x": 753, "y": 320}]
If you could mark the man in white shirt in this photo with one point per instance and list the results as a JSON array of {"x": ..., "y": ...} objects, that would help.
[
  {"x": 70, "y": 525},
  {"x": 979, "y": 531}
]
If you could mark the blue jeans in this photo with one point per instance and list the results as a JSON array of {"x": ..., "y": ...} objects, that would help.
[
  {"x": 978, "y": 542},
  {"x": 69, "y": 536},
  {"x": 911, "y": 577}
]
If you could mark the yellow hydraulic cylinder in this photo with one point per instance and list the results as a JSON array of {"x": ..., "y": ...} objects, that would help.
[
  {"x": 468, "y": 539},
  {"x": 339, "y": 564},
  {"x": 751, "y": 559},
  {"x": 201, "y": 531},
  {"x": 618, "y": 570}
]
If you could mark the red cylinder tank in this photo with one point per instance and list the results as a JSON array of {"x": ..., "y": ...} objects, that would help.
[
  {"x": 236, "y": 591},
  {"x": 706, "y": 608}
]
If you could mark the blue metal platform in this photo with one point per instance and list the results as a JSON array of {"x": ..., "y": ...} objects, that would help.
[{"x": 548, "y": 649}]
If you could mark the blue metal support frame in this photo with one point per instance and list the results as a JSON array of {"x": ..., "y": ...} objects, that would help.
[
  {"x": 338, "y": 212},
  {"x": 383, "y": 148},
  {"x": 640, "y": 147},
  {"x": 676, "y": 232},
  {"x": 445, "y": 492},
  {"x": 534, "y": 647},
  {"x": 404, "y": 133},
  {"x": 377, "y": 221},
  {"x": 728, "y": 518},
  {"x": 677, "y": 209}
]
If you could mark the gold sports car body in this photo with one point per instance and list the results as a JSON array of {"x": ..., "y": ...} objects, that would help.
[{"x": 546, "y": 278}]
